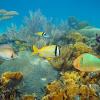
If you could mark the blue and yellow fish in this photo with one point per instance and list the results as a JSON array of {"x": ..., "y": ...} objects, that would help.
[{"x": 42, "y": 34}]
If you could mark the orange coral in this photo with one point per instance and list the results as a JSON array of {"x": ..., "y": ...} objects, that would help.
[
  {"x": 87, "y": 91},
  {"x": 72, "y": 90},
  {"x": 70, "y": 77},
  {"x": 28, "y": 97},
  {"x": 55, "y": 96},
  {"x": 54, "y": 86},
  {"x": 70, "y": 85},
  {"x": 7, "y": 76}
]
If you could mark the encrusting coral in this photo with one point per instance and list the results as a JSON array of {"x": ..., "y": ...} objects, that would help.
[
  {"x": 9, "y": 77},
  {"x": 8, "y": 85},
  {"x": 71, "y": 85},
  {"x": 75, "y": 37},
  {"x": 28, "y": 97}
]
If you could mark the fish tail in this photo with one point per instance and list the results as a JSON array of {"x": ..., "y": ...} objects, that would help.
[{"x": 35, "y": 49}]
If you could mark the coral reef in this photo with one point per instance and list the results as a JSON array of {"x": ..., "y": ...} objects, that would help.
[
  {"x": 73, "y": 37},
  {"x": 81, "y": 48},
  {"x": 64, "y": 59},
  {"x": 37, "y": 72},
  {"x": 90, "y": 31},
  {"x": 70, "y": 86},
  {"x": 74, "y": 23},
  {"x": 41, "y": 42},
  {"x": 68, "y": 54},
  {"x": 8, "y": 85},
  {"x": 33, "y": 73},
  {"x": 11, "y": 79},
  {"x": 28, "y": 97}
]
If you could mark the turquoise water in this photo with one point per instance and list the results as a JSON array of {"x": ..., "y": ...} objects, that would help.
[{"x": 87, "y": 10}]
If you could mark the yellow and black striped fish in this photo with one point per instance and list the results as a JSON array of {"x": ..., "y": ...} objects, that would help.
[{"x": 47, "y": 51}]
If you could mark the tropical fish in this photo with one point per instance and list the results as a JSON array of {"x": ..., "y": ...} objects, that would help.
[
  {"x": 42, "y": 34},
  {"x": 87, "y": 63},
  {"x": 6, "y": 52},
  {"x": 5, "y": 17},
  {"x": 47, "y": 51}
]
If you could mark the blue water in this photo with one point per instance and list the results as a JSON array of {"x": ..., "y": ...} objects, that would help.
[{"x": 88, "y": 10}]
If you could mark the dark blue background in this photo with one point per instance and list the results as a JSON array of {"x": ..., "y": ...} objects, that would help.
[{"x": 88, "y": 10}]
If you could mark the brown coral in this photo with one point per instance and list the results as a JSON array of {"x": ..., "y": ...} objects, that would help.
[
  {"x": 7, "y": 77},
  {"x": 53, "y": 86},
  {"x": 28, "y": 97},
  {"x": 55, "y": 96},
  {"x": 69, "y": 86}
]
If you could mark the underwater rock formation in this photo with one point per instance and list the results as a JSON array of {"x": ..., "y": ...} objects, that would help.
[{"x": 37, "y": 72}]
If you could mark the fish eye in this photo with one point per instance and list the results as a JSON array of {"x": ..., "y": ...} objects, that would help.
[
  {"x": 44, "y": 34},
  {"x": 12, "y": 56}
]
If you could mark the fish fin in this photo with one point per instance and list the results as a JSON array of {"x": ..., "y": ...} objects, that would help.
[{"x": 35, "y": 50}]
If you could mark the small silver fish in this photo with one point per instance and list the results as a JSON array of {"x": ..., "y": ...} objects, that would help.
[{"x": 6, "y": 52}]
